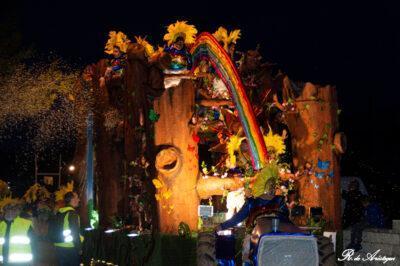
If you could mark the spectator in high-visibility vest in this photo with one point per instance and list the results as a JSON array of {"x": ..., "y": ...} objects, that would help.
[
  {"x": 68, "y": 251},
  {"x": 15, "y": 235}
]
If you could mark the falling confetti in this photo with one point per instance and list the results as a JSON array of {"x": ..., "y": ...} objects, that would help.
[{"x": 44, "y": 105}]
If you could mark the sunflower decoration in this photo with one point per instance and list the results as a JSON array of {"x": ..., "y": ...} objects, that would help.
[
  {"x": 181, "y": 29},
  {"x": 149, "y": 49},
  {"x": 226, "y": 39},
  {"x": 116, "y": 39},
  {"x": 36, "y": 192},
  {"x": 64, "y": 190},
  {"x": 275, "y": 143}
]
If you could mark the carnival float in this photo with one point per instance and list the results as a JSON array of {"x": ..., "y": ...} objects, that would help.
[{"x": 195, "y": 122}]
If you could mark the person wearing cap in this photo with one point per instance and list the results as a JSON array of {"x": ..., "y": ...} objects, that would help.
[{"x": 15, "y": 235}]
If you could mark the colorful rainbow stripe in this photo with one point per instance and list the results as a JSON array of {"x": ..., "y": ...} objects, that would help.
[{"x": 207, "y": 46}]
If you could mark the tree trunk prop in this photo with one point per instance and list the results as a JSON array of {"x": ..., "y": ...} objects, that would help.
[
  {"x": 109, "y": 158},
  {"x": 313, "y": 127},
  {"x": 177, "y": 161},
  {"x": 144, "y": 81}
]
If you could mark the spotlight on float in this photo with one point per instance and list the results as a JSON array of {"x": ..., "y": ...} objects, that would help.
[
  {"x": 109, "y": 231},
  {"x": 71, "y": 168},
  {"x": 133, "y": 234}
]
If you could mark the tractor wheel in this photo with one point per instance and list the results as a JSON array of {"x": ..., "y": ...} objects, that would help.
[
  {"x": 326, "y": 252},
  {"x": 206, "y": 249}
]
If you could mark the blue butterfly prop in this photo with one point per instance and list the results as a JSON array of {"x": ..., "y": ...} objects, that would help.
[
  {"x": 323, "y": 165},
  {"x": 319, "y": 174}
]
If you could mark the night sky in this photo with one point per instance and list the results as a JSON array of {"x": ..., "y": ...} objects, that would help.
[{"x": 352, "y": 46}]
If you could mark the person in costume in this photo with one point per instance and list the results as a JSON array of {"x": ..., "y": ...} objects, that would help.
[
  {"x": 228, "y": 41},
  {"x": 262, "y": 197},
  {"x": 254, "y": 206},
  {"x": 179, "y": 36},
  {"x": 116, "y": 47}
]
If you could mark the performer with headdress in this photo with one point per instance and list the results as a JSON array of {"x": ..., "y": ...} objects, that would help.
[
  {"x": 116, "y": 46},
  {"x": 179, "y": 36}
]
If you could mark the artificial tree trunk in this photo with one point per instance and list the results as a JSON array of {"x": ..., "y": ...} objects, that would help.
[
  {"x": 108, "y": 157},
  {"x": 144, "y": 81},
  {"x": 313, "y": 127},
  {"x": 178, "y": 168}
]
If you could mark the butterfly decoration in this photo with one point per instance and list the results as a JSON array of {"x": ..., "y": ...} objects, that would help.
[
  {"x": 331, "y": 174},
  {"x": 195, "y": 137},
  {"x": 323, "y": 165},
  {"x": 319, "y": 175}
]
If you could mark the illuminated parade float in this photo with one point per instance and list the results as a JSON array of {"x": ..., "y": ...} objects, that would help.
[{"x": 181, "y": 136}]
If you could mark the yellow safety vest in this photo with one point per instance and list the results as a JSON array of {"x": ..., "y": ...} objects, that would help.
[
  {"x": 20, "y": 244},
  {"x": 67, "y": 233}
]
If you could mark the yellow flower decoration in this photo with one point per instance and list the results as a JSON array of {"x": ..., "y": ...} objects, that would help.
[
  {"x": 222, "y": 36},
  {"x": 64, "y": 190},
  {"x": 147, "y": 46},
  {"x": 116, "y": 39},
  {"x": 275, "y": 143},
  {"x": 181, "y": 29},
  {"x": 233, "y": 145}
]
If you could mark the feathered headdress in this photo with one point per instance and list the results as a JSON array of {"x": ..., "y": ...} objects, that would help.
[
  {"x": 8, "y": 201},
  {"x": 36, "y": 192},
  {"x": 64, "y": 190},
  {"x": 147, "y": 46},
  {"x": 116, "y": 39},
  {"x": 181, "y": 29},
  {"x": 222, "y": 36}
]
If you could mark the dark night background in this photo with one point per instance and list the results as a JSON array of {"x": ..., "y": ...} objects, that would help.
[{"x": 352, "y": 46}]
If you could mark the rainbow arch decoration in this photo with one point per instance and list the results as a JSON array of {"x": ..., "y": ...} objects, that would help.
[{"x": 207, "y": 46}]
